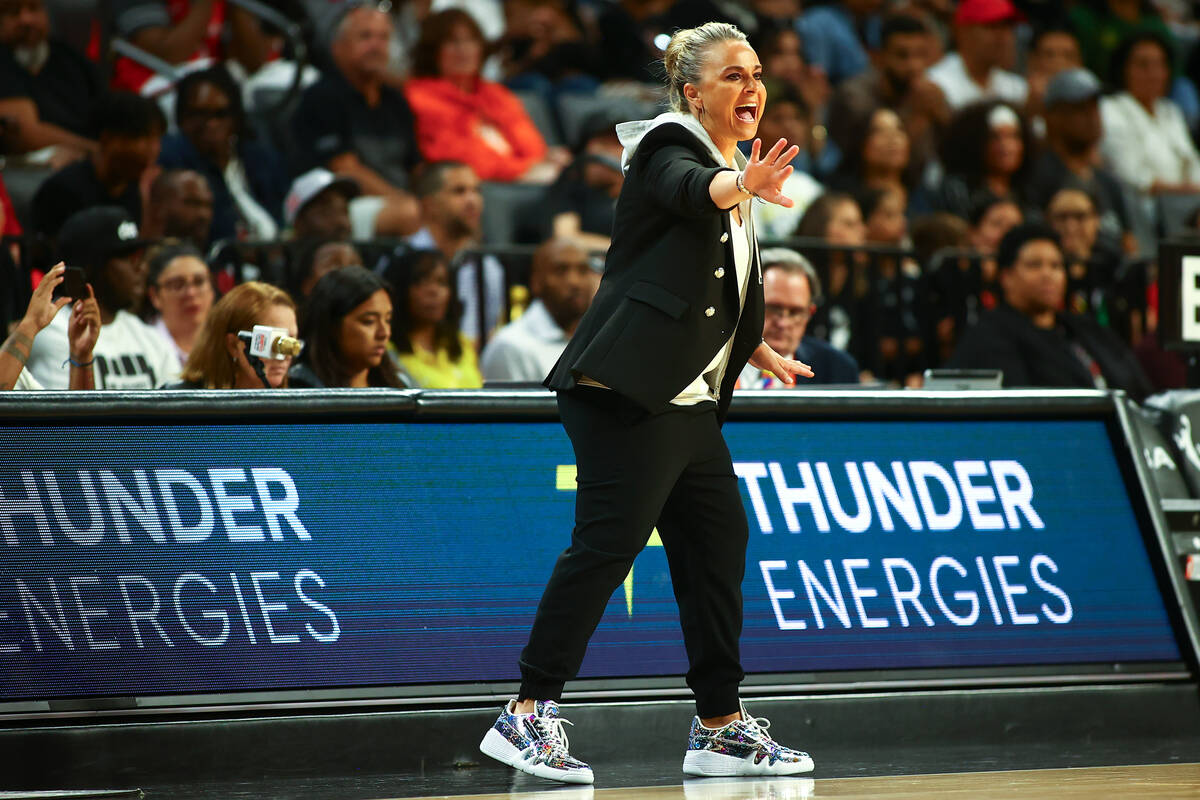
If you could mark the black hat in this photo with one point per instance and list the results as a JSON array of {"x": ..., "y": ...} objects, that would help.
[{"x": 90, "y": 237}]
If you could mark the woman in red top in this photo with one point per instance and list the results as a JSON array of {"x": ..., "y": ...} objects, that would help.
[{"x": 462, "y": 117}]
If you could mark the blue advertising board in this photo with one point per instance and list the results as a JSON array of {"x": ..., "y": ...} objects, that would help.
[{"x": 170, "y": 559}]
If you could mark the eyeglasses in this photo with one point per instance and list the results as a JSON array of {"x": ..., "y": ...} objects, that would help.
[
  {"x": 181, "y": 284},
  {"x": 787, "y": 312}
]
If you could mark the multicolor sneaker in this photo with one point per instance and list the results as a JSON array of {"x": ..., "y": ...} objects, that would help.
[
  {"x": 741, "y": 748},
  {"x": 535, "y": 743}
]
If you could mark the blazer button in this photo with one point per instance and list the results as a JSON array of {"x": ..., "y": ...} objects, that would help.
[
  {"x": 708, "y": 312},
  {"x": 719, "y": 272},
  {"x": 724, "y": 237}
]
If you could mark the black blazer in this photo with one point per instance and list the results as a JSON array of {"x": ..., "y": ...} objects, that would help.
[
  {"x": 668, "y": 300},
  {"x": 1005, "y": 339}
]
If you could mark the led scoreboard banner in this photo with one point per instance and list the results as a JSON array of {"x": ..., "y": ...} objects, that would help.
[{"x": 171, "y": 554}]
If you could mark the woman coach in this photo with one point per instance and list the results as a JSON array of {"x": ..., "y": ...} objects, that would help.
[{"x": 642, "y": 388}]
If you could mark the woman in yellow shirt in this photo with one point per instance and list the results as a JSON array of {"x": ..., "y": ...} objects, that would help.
[{"x": 426, "y": 336}]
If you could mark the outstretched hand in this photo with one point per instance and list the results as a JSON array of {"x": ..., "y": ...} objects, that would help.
[
  {"x": 765, "y": 176},
  {"x": 765, "y": 358}
]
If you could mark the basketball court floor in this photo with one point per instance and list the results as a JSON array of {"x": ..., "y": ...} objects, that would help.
[{"x": 1143, "y": 782}]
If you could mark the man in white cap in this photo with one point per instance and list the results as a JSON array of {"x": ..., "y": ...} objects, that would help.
[{"x": 318, "y": 205}]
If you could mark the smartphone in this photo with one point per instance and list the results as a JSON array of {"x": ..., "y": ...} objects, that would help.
[{"x": 74, "y": 284}]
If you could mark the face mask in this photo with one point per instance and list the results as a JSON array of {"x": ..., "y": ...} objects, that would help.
[{"x": 32, "y": 59}]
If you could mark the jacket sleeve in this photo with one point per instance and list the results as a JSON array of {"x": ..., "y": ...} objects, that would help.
[{"x": 675, "y": 179}]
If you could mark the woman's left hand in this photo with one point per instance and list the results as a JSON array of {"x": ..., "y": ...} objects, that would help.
[
  {"x": 783, "y": 368},
  {"x": 765, "y": 176}
]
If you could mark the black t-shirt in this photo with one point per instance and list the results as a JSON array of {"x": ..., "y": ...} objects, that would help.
[
  {"x": 1050, "y": 174},
  {"x": 64, "y": 91},
  {"x": 572, "y": 194},
  {"x": 333, "y": 119},
  {"x": 74, "y": 188}
]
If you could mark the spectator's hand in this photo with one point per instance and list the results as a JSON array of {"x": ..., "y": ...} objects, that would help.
[
  {"x": 84, "y": 328},
  {"x": 928, "y": 99},
  {"x": 765, "y": 176},
  {"x": 42, "y": 305},
  {"x": 765, "y": 358}
]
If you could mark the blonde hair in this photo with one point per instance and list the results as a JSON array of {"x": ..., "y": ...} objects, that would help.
[
  {"x": 209, "y": 363},
  {"x": 684, "y": 57}
]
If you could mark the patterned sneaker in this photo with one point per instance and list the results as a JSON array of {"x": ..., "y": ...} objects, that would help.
[
  {"x": 740, "y": 748},
  {"x": 535, "y": 743}
]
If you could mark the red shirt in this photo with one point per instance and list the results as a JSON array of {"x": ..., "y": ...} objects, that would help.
[{"x": 487, "y": 129}]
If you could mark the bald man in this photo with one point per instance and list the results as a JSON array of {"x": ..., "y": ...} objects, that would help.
[
  {"x": 563, "y": 283},
  {"x": 180, "y": 207}
]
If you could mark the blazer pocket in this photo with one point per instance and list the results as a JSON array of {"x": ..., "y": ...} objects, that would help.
[{"x": 657, "y": 297}]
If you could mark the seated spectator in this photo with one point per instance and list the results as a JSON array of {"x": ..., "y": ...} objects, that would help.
[
  {"x": 353, "y": 123},
  {"x": 129, "y": 131},
  {"x": 1073, "y": 132},
  {"x": 425, "y": 331},
  {"x": 563, "y": 283},
  {"x": 987, "y": 148},
  {"x": 897, "y": 82},
  {"x": 786, "y": 117},
  {"x": 985, "y": 50},
  {"x": 544, "y": 49},
  {"x": 179, "y": 286},
  {"x": 792, "y": 290},
  {"x": 83, "y": 328},
  {"x": 836, "y": 218},
  {"x": 1146, "y": 139},
  {"x": 581, "y": 204},
  {"x": 883, "y": 216},
  {"x": 47, "y": 88},
  {"x": 247, "y": 180},
  {"x": 878, "y": 158},
  {"x": 218, "y": 359},
  {"x": 787, "y": 71},
  {"x": 182, "y": 31},
  {"x": 832, "y": 39},
  {"x": 627, "y": 29},
  {"x": 463, "y": 117},
  {"x": 1030, "y": 340},
  {"x": 316, "y": 258},
  {"x": 347, "y": 327},
  {"x": 451, "y": 210},
  {"x": 181, "y": 207},
  {"x": 1102, "y": 25},
  {"x": 318, "y": 205},
  {"x": 104, "y": 242},
  {"x": 1054, "y": 48},
  {"x": 988, "y": 218},
  {"x": 1096, "y": 283}
]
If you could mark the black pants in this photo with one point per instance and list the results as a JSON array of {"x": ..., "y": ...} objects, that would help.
[{"x": 637, "y": 471}]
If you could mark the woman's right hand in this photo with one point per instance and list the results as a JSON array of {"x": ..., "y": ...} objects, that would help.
[{"x": 765, "y": 176}]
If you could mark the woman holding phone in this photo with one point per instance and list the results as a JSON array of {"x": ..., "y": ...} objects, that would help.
[{"x": 643, "y": 387}]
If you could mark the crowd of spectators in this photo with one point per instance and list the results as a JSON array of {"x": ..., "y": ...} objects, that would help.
[{"x": 980, "y": 183}]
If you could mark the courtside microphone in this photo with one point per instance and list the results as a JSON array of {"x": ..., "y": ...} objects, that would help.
[{"x": 274, "y": 343}]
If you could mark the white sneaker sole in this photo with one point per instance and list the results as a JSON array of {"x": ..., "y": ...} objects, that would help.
[
  {"x": 707, "y": 764},
  {"x": 496, "y": 746}
]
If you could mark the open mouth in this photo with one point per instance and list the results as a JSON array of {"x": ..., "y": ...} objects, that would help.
[{"x": 747, "y": 113}]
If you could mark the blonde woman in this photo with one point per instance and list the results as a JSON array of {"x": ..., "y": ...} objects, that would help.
[
  {"x": 642, "y": 388},
  {"x": 218, "y": 357}
]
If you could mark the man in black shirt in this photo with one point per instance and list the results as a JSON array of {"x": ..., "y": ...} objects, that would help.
[
  {"x": 130, "y": 130},
  {"x": 1073, "y": 132},
  {"x": 353, "y": 123},
  {"x": 46, "y": 88},
  {"x": 1031, "y": 340}
]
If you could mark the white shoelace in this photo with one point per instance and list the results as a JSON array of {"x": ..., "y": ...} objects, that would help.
[
  {"x": 757, "y": 725},
  {"x": 551, "y": 728}
]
